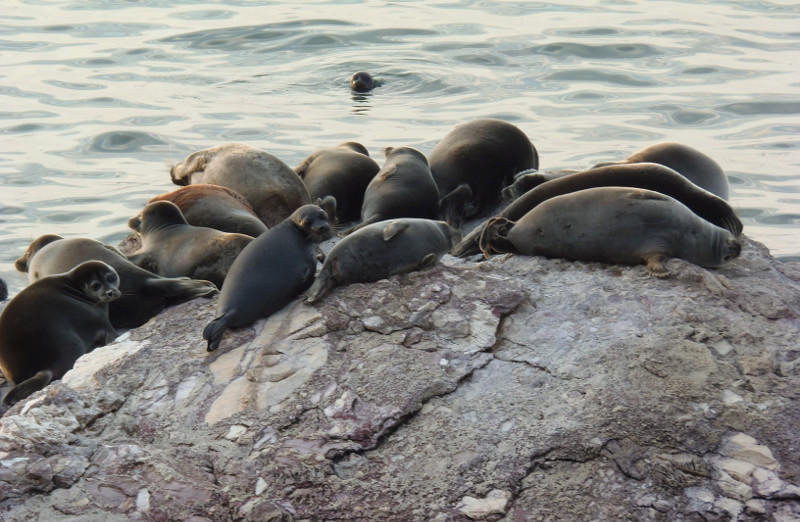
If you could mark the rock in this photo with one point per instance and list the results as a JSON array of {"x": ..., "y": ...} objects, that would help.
[{"x": 516, "y": 388}]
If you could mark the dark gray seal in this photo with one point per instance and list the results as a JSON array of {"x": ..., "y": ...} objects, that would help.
[
  {"x": 342, "y": 172},
  {"x": 404, "y": 187},
  {"x": 619, "y": 225},
  {"x": 362, "y": 82},
  {"x": 144, "y": 294},
  {"x": 213, "y": 206},
  {"x": 650, "y": 176},
  {"x": 3, "y": 290},
  {"x": 697, "y": 167},
  {"x": 270, "y": 186},
  {"x": 382, "y": 249},
  {"x": 274, "y": 269},
  {"x": 52, "y": 322},
  {"x": 171, "y": 247},
  {"x": 483, "y": 155}
]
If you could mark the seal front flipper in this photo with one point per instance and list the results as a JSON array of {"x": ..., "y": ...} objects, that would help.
[
  {"x": 27, "y": 387},
  {"x": 181, "y": 288},
  {"x": 453, "y": 206},
  {"x": 655, "y": 264},
  {"x": 214, "y": 330},
  {"x": 394, "y": 228}
]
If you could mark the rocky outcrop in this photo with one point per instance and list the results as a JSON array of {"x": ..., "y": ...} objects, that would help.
[{"x": 512, "y": 389}]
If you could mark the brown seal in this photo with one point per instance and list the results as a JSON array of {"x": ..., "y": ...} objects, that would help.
[
  {"x": 650, "y": 176},
  {"x": 274, "y": 269},
  {"x": 270, "y": 186},
  {"x": 618, "y": 225},
  {"x": 171, "y": 247},
  {"x": 52, "y": 322},
  {"x": 144, "y": 294},
  {"x": 213, "y": 206}
]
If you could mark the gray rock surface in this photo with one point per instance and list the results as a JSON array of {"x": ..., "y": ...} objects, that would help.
[{"x": 513, "y": 389}]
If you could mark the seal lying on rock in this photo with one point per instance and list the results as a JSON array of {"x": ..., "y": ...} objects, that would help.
[
  {"x": 3, "y": 290},
  {"x": 342, "y": 172},
  {"x": 171, "y": 247},
  {"x": 404, "y": 187},
  {"x": 213, "y": 206},
  {"x": 271, "y": 271},
  {"x": 52, "y": 322},
  {"x": 691, "y": 163},
  {"x": 270, "y": 186},
  {"x": 613, "y": 225},
  {"x": 380, "y": 250},
  {"x": 144, "y": 294},
  {"x": 484, "y": 155},
  {"x": 650, "y": 176}
]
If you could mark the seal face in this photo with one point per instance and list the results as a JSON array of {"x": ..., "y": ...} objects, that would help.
[
  {"x": 271, "y": 271},
  {"x": 484, "y": 155},
  {"x": 697, "y": 167},
  {"x": 173, "y": 248},
  {"x": 144, "y": 294},
  {"x": 618, "y": 225},
  {"x": 382, "y": 249},
  {"x": 270, "y": 186},
  {"x": 342, "y": 172},
  {"x": 362, "y": 82},
  {"x": 213, "y": 206},
  {"x": 34, "y": 351},
  {"x": 650, "y": 176},
  {"x": 404, "y": 187}
]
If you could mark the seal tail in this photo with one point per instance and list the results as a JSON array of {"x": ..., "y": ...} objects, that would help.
[
  {"x": 214, "y": 330},
  {"x": 27, "y": 387}
]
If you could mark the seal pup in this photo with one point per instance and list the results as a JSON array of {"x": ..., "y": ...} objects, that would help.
[
  {"x": 171, "y": 247},
  {"x": 650, "y": 176},
  {"x": 52, "y": 322},
  {"x": 619, "y": 225},
  {"x": 270, "y": 186},
  {"x": 271, "y": 271},
  {"x": 144, "y": 294},
  {"x": 213, "y": 206},
  {"x": 382, "y": 249},
  {"x": 404, "y": 187},
  {"x": 342, "y": 172},
  {"x": 484, "y": 155},
  {"x": 362, "y": 82},
  {"x": 697, "y": 167}
]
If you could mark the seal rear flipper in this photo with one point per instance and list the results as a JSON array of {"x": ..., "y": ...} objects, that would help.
[
  {"x": 469, "y": 245},
  {"x": 214, "y": 330},
  {"x": 655, "y": 264},
  {"x": 181, "y": 289},
  {"x": 494, "y": 238},
  {"x": 27, "y": 387}
]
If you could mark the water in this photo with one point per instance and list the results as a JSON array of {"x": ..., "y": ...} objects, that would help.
[{"x": 99, "y": 98}]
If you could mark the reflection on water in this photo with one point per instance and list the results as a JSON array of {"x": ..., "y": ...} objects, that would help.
[{"x": 100, "y": 98}]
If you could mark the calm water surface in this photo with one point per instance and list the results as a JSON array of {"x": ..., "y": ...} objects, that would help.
[{"x": 99, "y": 98}]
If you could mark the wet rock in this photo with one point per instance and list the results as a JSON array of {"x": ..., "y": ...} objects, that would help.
[{"x": 511, "y": 389}]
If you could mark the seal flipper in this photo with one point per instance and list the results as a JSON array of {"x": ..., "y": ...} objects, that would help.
[
  {"x": 370, "y": 220},
  {"x": 181, "y": 288},
  {"x": 494, "y": 237},
  {"x": 453, "y": 206},
  {"x": 394, "y": 228},
  {"x": 27, "y": 387},
  {"x": 655, "y": 264},
  {"x": 214, "y": 330}
]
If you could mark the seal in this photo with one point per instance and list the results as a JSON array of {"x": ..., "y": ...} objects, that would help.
[
  {"x": 213, "y": 206},
  {"x": 171, "y": 247},
  {"x": 697, "y": 167},
  {"x": 270, "y": 186},
  {"x": 618, "y": 225},
  {"x": 342, "y": 172},
  {"x": 529, "y": 179},
  {"x": 52, "y": 322},
  {"x": 404, "y": 187},
  {"x": 362, "y": 82},
  {"x": 274, "y": 269},
  {"x": 144, "y": 294},
  {"x": 3, "y": 290},
  {"x": 484, "y": 155},
  {"x": 650, "y": 176},
  {"x": 382, "y": 249}
]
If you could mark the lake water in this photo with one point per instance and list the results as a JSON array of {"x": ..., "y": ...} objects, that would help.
[{"x": 99, "y": 98}]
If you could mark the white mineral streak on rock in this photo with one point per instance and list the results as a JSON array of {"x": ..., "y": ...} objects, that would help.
[
  {"x": 143, "y": 500},
  {"x": 494, "y": 504},
  {"x": 261, "y": 486},
  {"x": 233, "y": 399},
  {"x": 226, "y": 366},
  {"x": 236, "y": 431}
]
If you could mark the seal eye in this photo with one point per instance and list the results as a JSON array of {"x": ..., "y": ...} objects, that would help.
[{"x": 95, "y": 285}]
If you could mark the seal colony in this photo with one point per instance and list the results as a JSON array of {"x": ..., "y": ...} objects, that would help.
[{"x": 244, "y": 222}]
